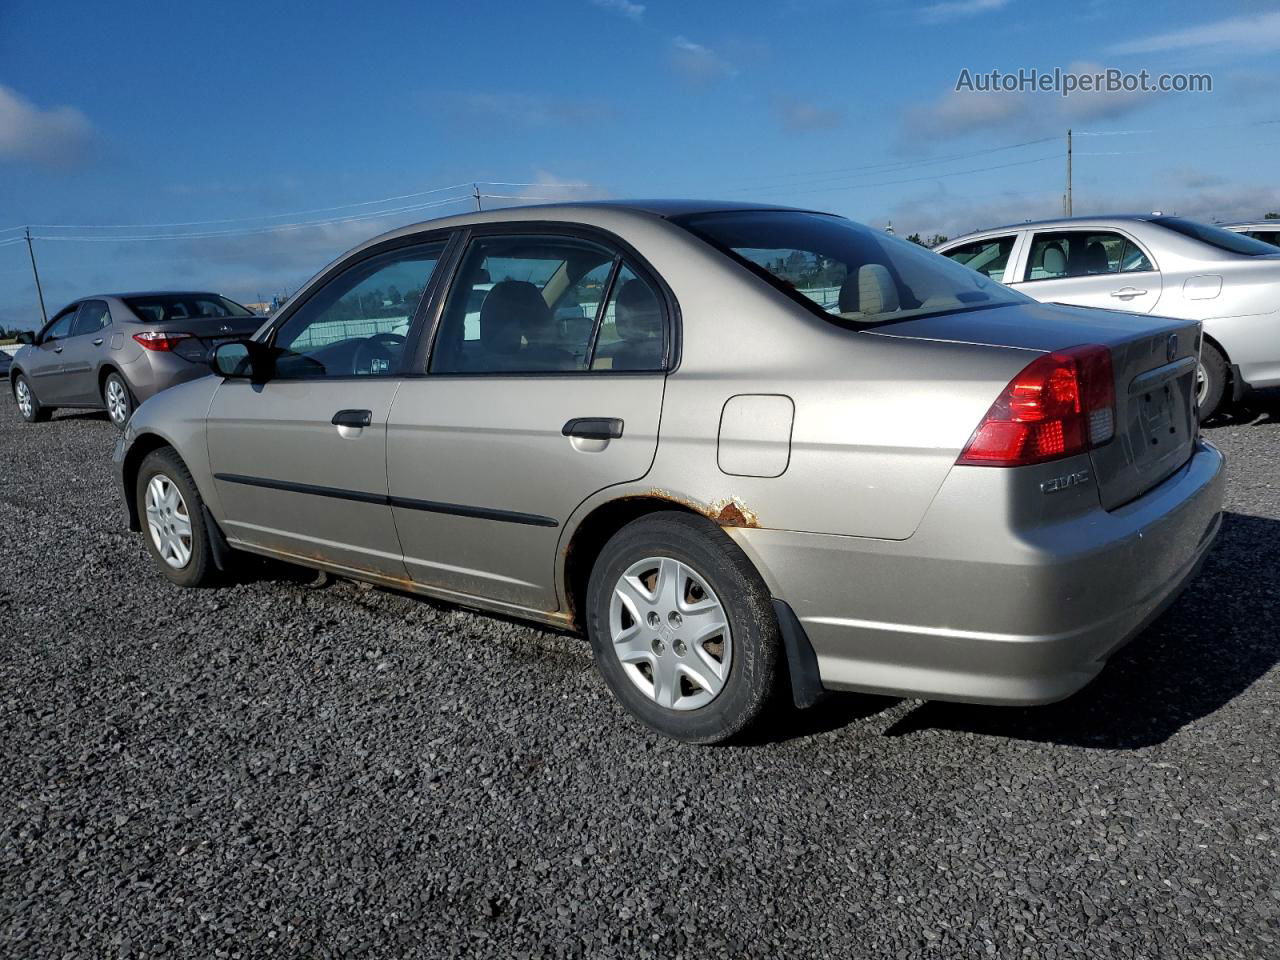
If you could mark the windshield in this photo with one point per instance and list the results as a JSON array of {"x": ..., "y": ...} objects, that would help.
[
  {"x": 1217, "y": 237},
  {"x": 163, "y": 307},
  {"x": 846, "y": 270}
]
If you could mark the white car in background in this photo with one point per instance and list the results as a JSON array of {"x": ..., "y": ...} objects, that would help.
[
  {"x": 1268, "y": 231},
  {"x": 1167, "y": 266}
]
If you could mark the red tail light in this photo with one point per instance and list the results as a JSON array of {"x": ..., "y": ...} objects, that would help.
[
  {"x": 161, "y": 340},
  {"x": 1062, "y": 404}
]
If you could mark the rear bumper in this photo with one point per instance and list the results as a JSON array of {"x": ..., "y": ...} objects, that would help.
[
  {"x": 971, "y": 609},
  {"x": 153, "y": 371}
]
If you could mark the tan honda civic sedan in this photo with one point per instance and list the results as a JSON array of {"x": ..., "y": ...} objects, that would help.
[{"x": 741, "y": 448}]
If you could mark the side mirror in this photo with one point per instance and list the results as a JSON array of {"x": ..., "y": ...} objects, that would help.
[
  {"x": 26, "y": 337},
  {"x": 236, "y": 359}
]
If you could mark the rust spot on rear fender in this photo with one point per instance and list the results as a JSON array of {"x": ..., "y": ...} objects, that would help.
[{"x": 726, "y": 512}]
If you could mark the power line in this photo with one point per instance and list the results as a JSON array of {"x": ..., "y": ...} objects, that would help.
[
  {"x": 935, "y": 176},
  {"x": 264, "y": 216},
  {"x": 294, "y": 213},
  {"x": 277, "y": 228},
  {"x": 890, "y": 166}
]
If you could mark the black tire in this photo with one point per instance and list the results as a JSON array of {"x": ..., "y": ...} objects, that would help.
[
  {"x": 753, "y": 664},
  {"x": 199, "y": 570},
  {"x": 35, "y": 412},
  {"x": 1213, "y": 367},
  {"x": 117, "y": 413}
]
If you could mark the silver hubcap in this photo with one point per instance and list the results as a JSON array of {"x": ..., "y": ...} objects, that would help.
[
  {"x": 1202, "y": 383},
  {"x": 24, "y": 398},
  {"x": 168, "y": 521},
  {"x": 117, "y": 401},
  {"x": 671, "y": 634}
]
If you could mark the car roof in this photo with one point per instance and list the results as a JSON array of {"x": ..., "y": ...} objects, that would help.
[
  {"x": 1066, "y": 222},
  {"x": 1272, "y": 224},
  {"x": 159, "y": 293}
]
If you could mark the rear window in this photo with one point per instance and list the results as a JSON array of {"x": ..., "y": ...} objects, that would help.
[
  {"x": 164, "y": 307},
  {"x": 1217, "y": 237},
  {"x": 844, "y": 270}
]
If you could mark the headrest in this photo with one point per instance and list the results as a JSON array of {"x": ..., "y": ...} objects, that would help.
[
  {"x": 511, "y": 309},
  {"x": 871, "y": 290},
  {"x": 637, "y": 315},
  {"x": 1053, "y": 260},
  {"x": 1095, "y": 258}
]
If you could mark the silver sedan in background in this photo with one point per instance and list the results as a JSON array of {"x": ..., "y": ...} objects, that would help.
[
  {"x": 740, "y": 448},
  {"x": 1165, "y": 266},
  {"x": 112, "y": 351}
]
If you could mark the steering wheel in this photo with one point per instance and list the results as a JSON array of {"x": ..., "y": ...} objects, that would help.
[{"x": 384, "y": 347}]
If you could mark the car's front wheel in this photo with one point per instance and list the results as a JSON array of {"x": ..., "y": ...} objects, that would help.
[
  {"x": 683, "y": 628},
  {"x": 173, "y": 520},
  {"x": 117, "y": 399},
  {"x": 28, "y": 405}
]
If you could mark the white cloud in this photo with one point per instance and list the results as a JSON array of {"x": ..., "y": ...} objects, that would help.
[
  {"x": 1248, "y": 34},
  {"x": 56, "y": 137},
  {"x": 959, "y": 113},
  {"x": 963, "y": 112},
  {"x": 632, "y": 10},
  {"x": 697, "y": 63},
  {"x": 1098, "y": 104},
  {"x": 547, "y": 187},
  {"x": 959, "y": 9},
  {"x": 800, "y": 115}
]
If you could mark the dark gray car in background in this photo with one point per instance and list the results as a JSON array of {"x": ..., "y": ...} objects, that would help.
[{"x": 113, "y": 351}]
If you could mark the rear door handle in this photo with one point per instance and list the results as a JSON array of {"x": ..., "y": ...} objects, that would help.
[
  {"x": 98, "y": 342},
  {"x": 352, "y": 418},
  {"x": 593, "y": 428},
  {"x": 1128, "y": 293}
]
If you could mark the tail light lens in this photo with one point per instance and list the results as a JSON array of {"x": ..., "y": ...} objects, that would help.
[
  {"x": 160, "y": 340},
  {"x": 1062, "y": 404}
]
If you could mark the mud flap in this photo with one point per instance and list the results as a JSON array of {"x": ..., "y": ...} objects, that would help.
[
  {"x": 217, "y": 542},
  {"x": 802, "y": 662}
]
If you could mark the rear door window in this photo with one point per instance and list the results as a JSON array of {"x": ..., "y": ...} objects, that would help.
[
  {"x": 1267, "y": 236},
  {"x": 1080, "y": 253},
  {"x": 92, "y": 317},
  {"x": 538, "y": 304},
  {"x": 989, "y": 257}
]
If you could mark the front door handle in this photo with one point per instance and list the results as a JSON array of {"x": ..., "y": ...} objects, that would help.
[
  {"x": 57, "y": 349},
  {"x": 352, "y": 418},
  {"x": 1128, "y": 293},
  {"x": 593, "y": 428}
]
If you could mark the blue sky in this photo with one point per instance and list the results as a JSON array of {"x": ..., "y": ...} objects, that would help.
[{"x": 254, "y": 113}]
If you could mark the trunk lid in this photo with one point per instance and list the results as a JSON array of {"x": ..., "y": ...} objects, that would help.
[
  {"x": 208, "y": 332},
  {"x": 1154, "y": 361}
]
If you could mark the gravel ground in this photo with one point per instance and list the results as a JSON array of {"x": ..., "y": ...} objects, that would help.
[{"x": 272, "y": 769}]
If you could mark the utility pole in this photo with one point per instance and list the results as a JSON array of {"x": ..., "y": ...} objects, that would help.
[
  {"x": 475, "y": 192},
  {"x": 36, "y": 273},
  {"x": 1067, "y": 204}
]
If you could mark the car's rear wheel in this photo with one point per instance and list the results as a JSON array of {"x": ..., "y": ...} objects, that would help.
[
  {"x": 1211, "y": 380},
  {"x": 173, "y": 520},
  {"x": 683, "y": 628},
  {"x": 118, "y": 400},
  {"x": 28, "y": 405}
]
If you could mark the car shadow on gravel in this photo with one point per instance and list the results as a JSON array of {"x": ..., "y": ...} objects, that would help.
[
  {"x": 1220, "y": 637},
  {"x": 1258, "y": 408},
  {"x": 100, "y": 415}
]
